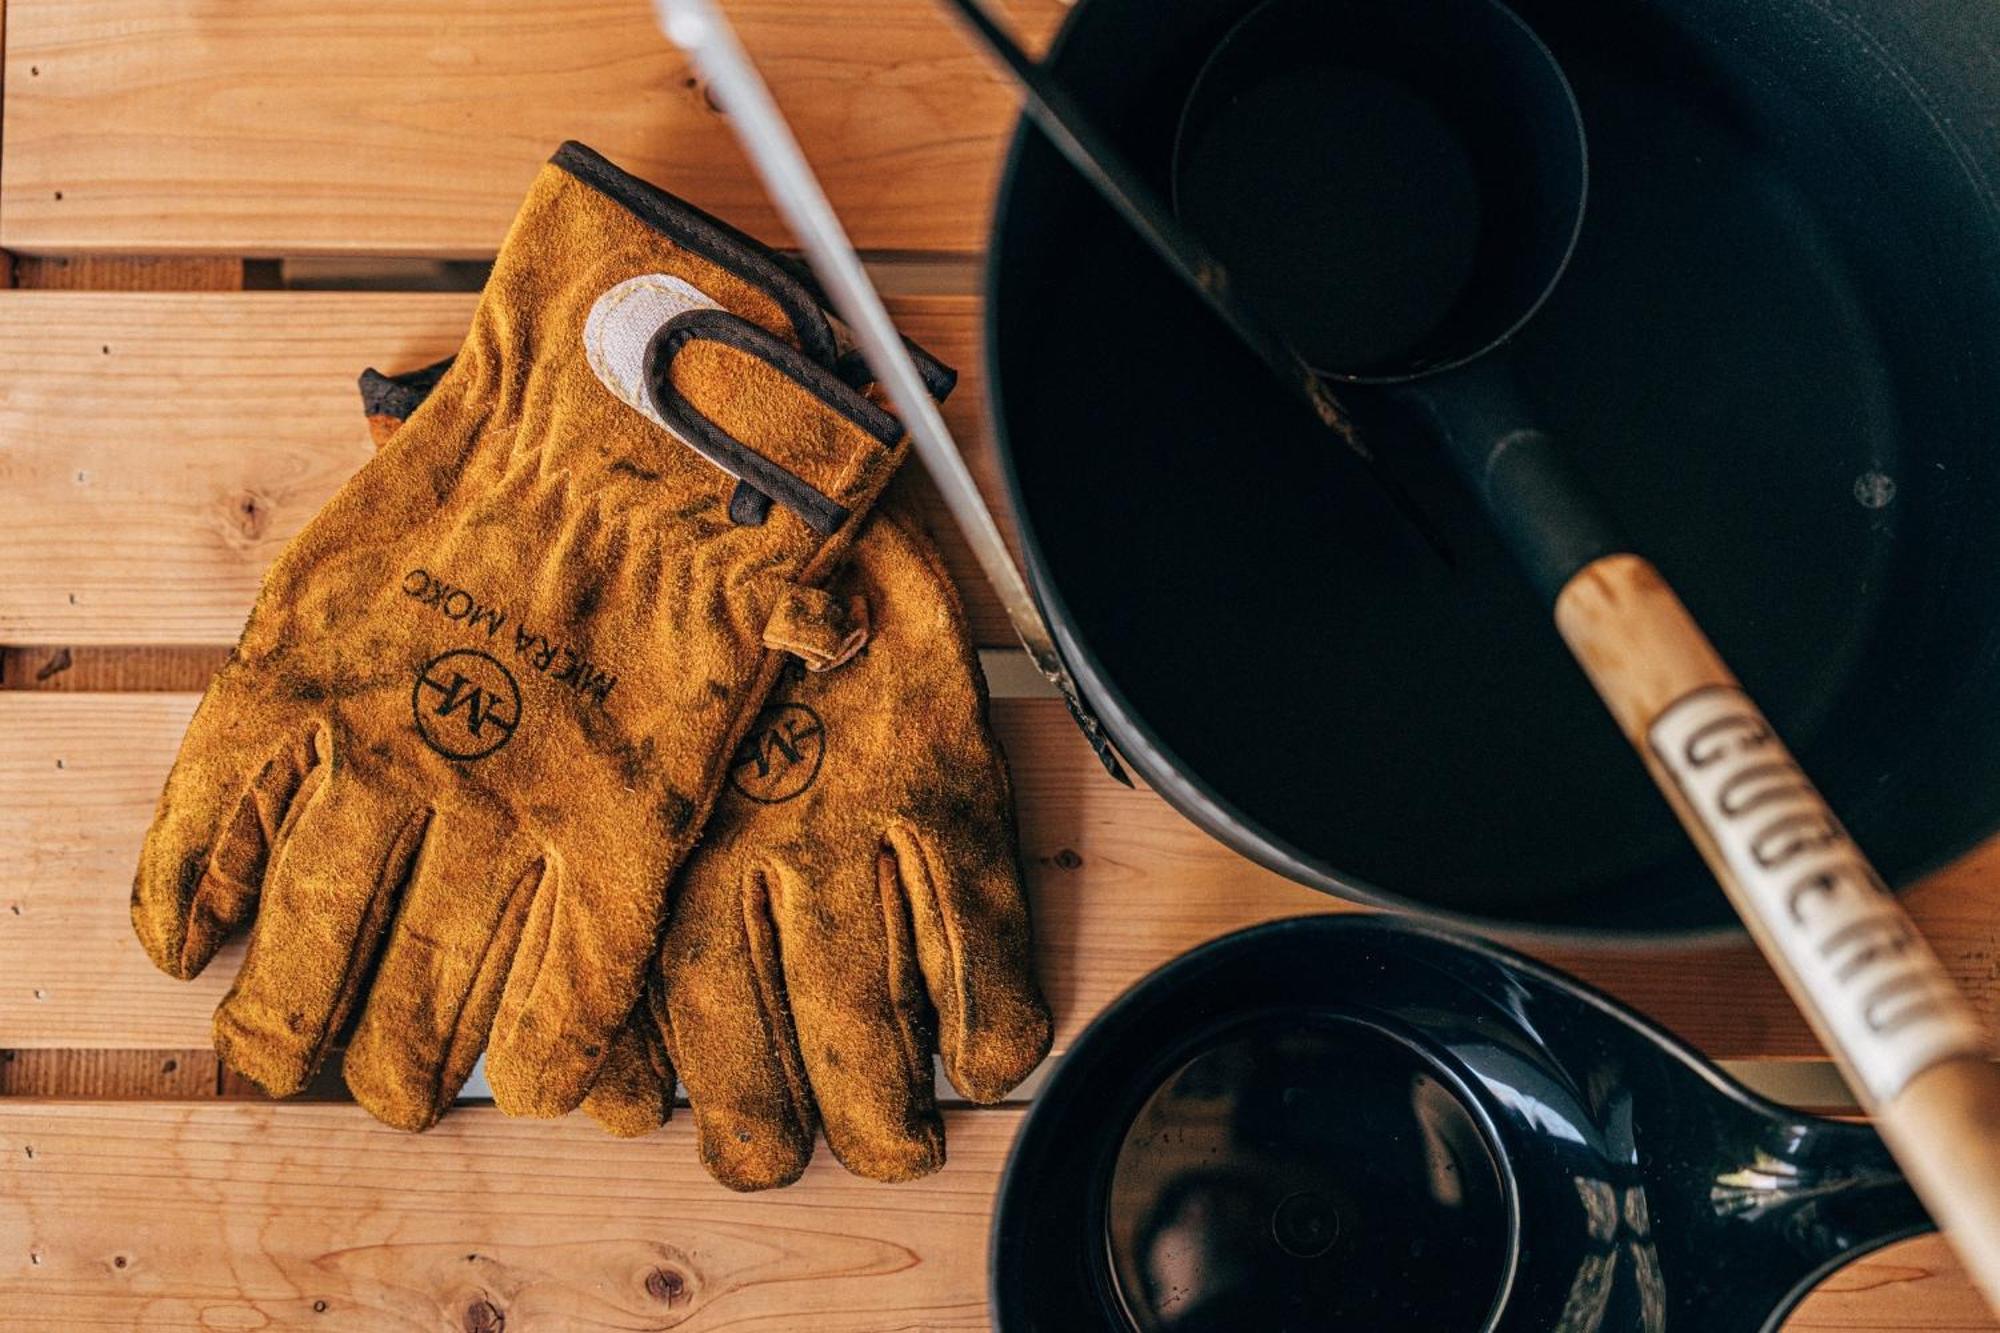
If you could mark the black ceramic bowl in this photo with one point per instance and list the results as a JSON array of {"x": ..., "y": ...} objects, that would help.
[
  {"x": 1349, "y": 1123},
  {"x": 1776, "y": 355}
]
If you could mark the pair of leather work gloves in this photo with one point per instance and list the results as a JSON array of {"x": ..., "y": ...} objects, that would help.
[{"x": 596, "y": 725}]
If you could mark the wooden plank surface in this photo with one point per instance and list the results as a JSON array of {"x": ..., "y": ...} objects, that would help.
[
  {"x": 204, "y": 429},
  {"x": 1907, "y": 1288},
  {"x": 1121, "y": 884},
  {"x": 155, "y": 452},
  {"x": 247, "y": 1216},
  {"x": 339, "y": 126}
]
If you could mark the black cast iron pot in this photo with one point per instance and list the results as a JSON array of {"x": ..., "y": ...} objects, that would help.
[
  {"x": 1776, "y": 356},
  {"x": 1346, "y": 1123}
]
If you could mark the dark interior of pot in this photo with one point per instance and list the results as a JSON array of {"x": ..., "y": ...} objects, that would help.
[{"x": 1776, "y": 355}]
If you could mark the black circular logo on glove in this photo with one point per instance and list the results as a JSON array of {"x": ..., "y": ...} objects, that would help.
[
  {"x": 466, "y": 704},
  {"x": 780, "y": 756}
]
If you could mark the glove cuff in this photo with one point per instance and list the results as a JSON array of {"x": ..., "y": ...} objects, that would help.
[
  {"x": 787, "y": 281},
  {"x": 805, "y": 320}
]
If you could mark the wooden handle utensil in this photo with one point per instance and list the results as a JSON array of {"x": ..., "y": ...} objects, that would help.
[{"x": 1910, "y": 1044}]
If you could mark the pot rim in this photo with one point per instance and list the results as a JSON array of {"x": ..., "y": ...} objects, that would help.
[{"x": 1175, "y": 781}]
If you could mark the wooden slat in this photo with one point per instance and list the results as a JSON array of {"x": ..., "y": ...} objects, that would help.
[
  {"x": 338, "y": 126},
  {"x": 1910, "y": 1287},
  {"x": 203, "y": 430},
  {"x": 241, "y": 1216},
  {"x": 1121, "y": 884},
  {"x": 248, "y": 1216}
]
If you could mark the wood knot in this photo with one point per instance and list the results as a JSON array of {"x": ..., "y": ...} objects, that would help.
[
  {"x": 484, "y": 1317},
  {"x": 701, "y": 90},
  {"x": 667, "y": 1286},
  {"x": 1067, "y": 860},
  {"x": 251, "y": 514}
]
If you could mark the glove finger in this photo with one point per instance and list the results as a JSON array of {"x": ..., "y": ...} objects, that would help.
[
  {"x": 970, "y": 923},
  {"x": 330, "y": 891},
  {"x": 634, "y": 1092},
  {"x": 443, "y": 964},
  {"x": 863, "y": 1020},
  {"x": 206, "y": 854},
  {"x": 719, "y": 1000},
  {"x": 572, "y": 980}
]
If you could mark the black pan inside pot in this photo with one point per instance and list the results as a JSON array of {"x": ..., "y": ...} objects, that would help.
[{"x": 1778, "y": 354}]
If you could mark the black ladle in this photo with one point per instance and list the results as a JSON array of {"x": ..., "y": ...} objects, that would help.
[
  {"x": 1401, "y": 183},
  {"x": 1397, "y": 187},
  {"x": 1073, "y": 133},
  {"x": 1347, "y": 1122}
]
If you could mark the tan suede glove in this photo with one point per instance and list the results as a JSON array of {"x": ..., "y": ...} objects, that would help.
[
  {"x": 854, "y": 908},
  {"x": 487, "y": 697}
]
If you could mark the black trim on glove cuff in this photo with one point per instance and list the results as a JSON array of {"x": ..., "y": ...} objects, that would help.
[
  {"x": 399, "y": 395},
  {"x": 710, "y": 237},
  {"x": 823, "y": 514}
]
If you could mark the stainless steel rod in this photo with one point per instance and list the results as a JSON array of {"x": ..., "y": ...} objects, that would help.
[{"x": 700, "y": 28}]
